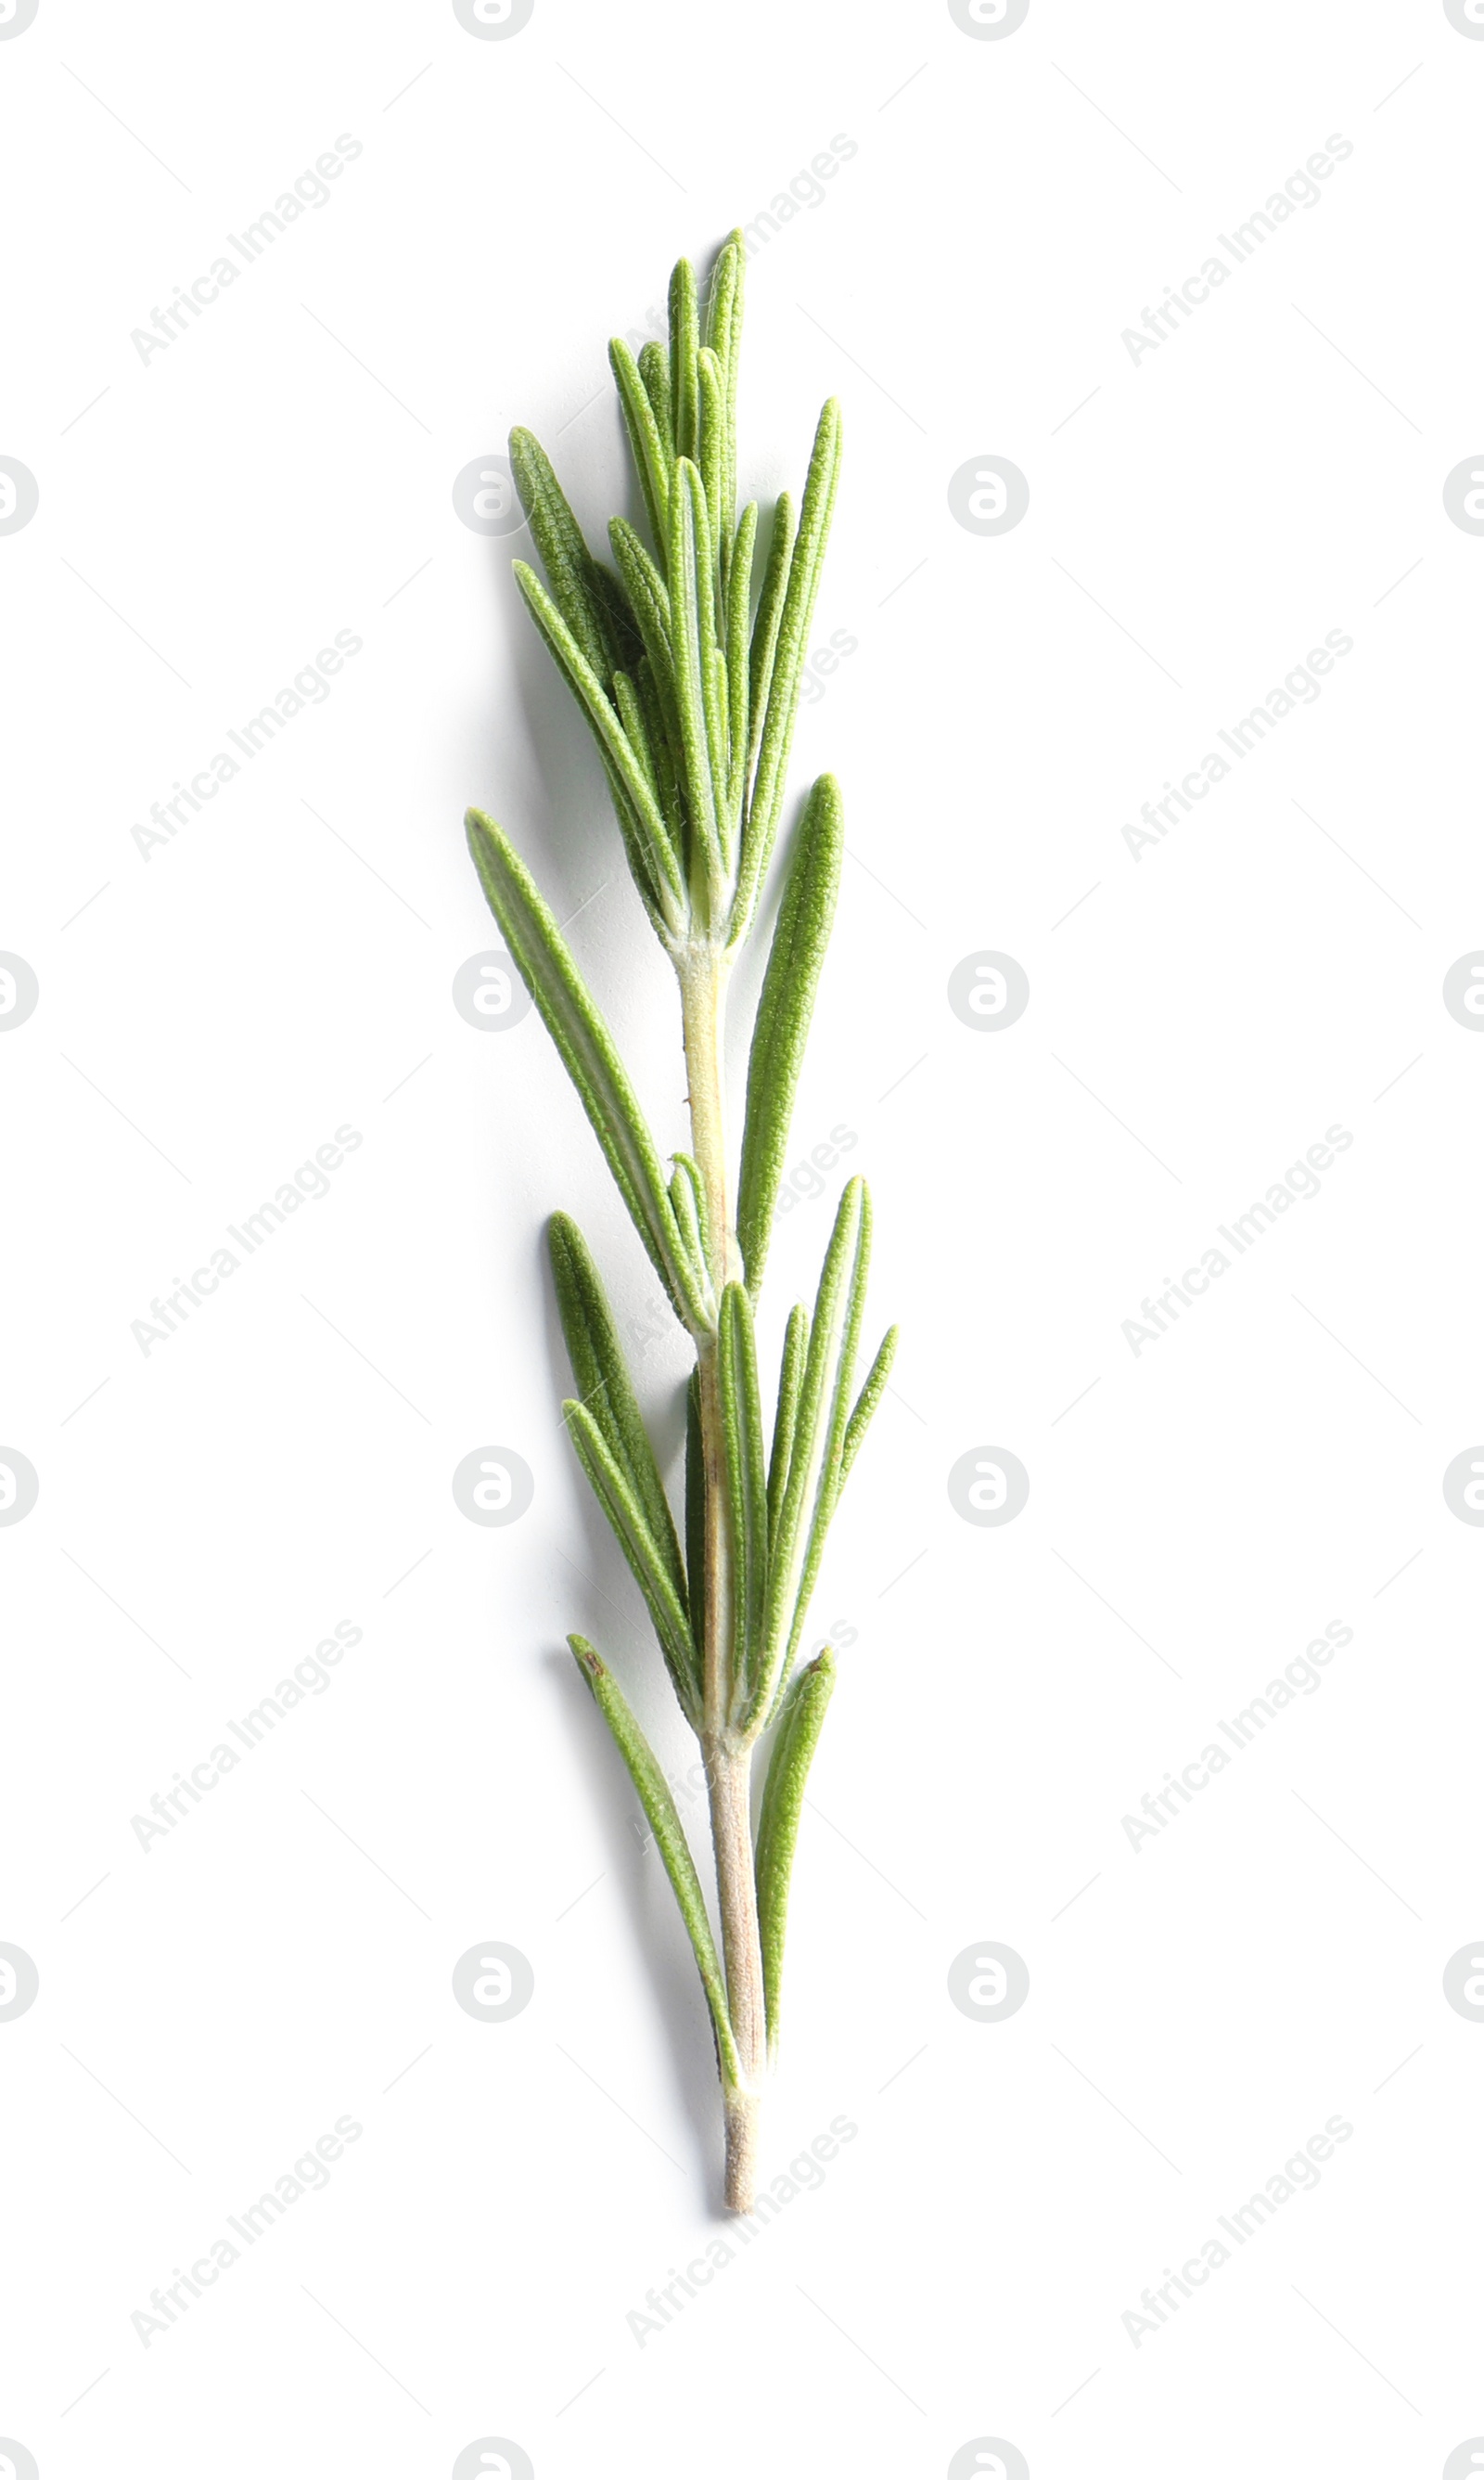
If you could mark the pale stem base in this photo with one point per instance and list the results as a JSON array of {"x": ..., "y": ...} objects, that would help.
[
  {"x": 704, "y": 978},
  {"x": 728, "y": 1777},
  {"x": 744, "y": 2110}
]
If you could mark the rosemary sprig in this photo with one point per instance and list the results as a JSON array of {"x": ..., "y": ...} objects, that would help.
[{"x": 690, "y": 687}]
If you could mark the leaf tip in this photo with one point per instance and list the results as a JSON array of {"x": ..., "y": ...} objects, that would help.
[{"x": 589, "y": 1662}]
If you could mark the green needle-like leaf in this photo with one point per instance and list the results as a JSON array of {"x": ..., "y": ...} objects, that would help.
[
  {"x": 621, "y": 634},
  {"x": 657, "y": 867},
  {"x": 739, "y": 686},
  {"x": 692, "y": 639},
  {"x": 833, "y": 1465},
  {"x": 651, "y": 460},
  {"x": 685, "y": 346},
  {"x": 654, "y": 372},
  {"x": 648, "y": 599},
  {"x": 711, "y": 445},
  {"x": 747, "y": 1480},
  {"x": 689, "y": 1169},
  {"x": 723, "y": 335},
  {"x": 790, "y": 1383},
  {"x": 769, "y": 620},
  {"x": 661, "y": 734},
  {"x": 565, "y": 556},
  {"x": 784, "y": 1013},
  {"x": 867, "y": 1400},
  {"x": 694, "y": 1508},
  {"x": 800, "y": 1722},
  {"x": 718, "y": 746},
  {"x": 573, "y": 1019},
  {"x": 645, "y": 1556},
  {"x": 685, "y": 1200},
  {"x": 814, "y": 1477},
  {"x": 604, "y": 1386},
  {"x": 803, "y": 574},
  {"x": 636, "y": 732},
  {"x": 658, "y": 1802}
]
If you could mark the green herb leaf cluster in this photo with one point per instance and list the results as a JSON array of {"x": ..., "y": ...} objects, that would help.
[{"x": 684, "y": 660}]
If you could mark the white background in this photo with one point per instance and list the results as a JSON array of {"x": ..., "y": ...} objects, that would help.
[{"x": 210, "y": 1015}]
